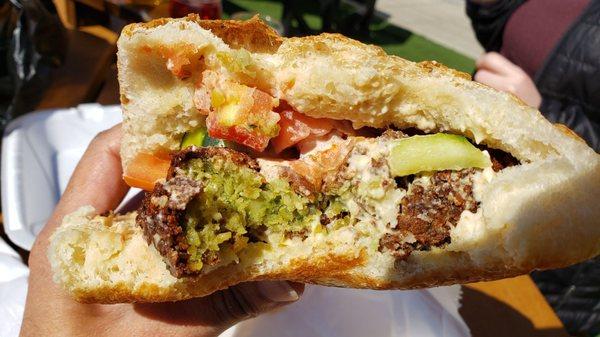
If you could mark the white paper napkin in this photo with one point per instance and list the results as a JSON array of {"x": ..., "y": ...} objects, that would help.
[
  {"x": 338, "y": 312},
  {"x": 13, "y": 290}
]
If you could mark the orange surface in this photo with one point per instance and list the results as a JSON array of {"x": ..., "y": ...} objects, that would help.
[
  {"x": 145, "y": 169},
  {"x": 509, "y": 307}
]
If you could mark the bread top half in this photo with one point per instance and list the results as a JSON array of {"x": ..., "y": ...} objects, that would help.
[{"x": 327, "y": 75}]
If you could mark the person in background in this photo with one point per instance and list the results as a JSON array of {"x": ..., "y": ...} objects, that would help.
[{"x": 547, "y": 53}]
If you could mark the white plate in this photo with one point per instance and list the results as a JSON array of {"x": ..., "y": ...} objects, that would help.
[{"x": 39, "y": 152}]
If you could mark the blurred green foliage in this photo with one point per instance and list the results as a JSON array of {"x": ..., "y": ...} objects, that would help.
[{"x": 394, "y": 40}]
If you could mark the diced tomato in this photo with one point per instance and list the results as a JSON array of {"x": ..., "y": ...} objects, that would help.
[
  {"x": 296, "y": 127},
  {"x": 145, "y": 169},
  {"x": 179, "y": 59},
  {"x": 201, "y": 100},
  {"x": 252, "y": 125},
  {"x": 332, "y": 158},
  {"x": 262, "y": 102},
  {"x": 236, "y": 133},
  {"x": 345, "y": 127},
  {"x": 292, "y": 131},
  {"x": 177, "y": 65},
  {"x": 318, "y": 126},
  {"x": 309, "y": 170},
  {"x": 316, "y": 166}
]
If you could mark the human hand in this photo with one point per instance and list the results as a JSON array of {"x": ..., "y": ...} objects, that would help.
[
  {"x": 49, "y": 311},
  {"x": 498, "y": 72}
]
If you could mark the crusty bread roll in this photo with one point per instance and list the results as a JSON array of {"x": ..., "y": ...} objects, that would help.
[{"x": 540, "y": 214}]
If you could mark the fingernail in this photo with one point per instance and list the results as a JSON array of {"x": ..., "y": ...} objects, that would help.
[{"x": 277, "y": 291}]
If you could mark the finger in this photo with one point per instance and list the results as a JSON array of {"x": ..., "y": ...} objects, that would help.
[
  {"x": 494, "y": 80},
  {"x": 250, "y": 299},
  {"x": 298, "y": 287},
  {"x": 226, "y": 307},
  {"x": 97, "y": 179},
  {"x": 497, "y": 63},
  {"x": 134, "y": 203}
]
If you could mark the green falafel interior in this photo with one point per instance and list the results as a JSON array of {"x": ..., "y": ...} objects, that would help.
[{"x": 238, "y": 207}]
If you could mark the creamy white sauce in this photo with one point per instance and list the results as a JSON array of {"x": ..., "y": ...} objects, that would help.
[
  {"x": 271, "y": 168},
  {"x": 376, "y": 191},
  {"x": 471, "y": 226},
  {"x": 314, "y": 145},
  {"x": 481, "y": 179}
]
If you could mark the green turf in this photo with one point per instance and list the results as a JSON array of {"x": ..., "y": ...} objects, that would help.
[
  {"x": 417, "y": 48},
  {"x": 272, "y": 8},
  {"x": 393, "y": 39}
]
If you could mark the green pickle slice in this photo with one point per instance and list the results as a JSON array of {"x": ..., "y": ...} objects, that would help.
[
  {"x": 435, "y": 152},
  {"x": 194, "y": 137},
  {"x": 199, "y": 137}
]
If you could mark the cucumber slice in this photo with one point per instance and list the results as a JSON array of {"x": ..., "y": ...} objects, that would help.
[
  {"x": 213, "y": 142},
  {"x": 435, "y": 152},
  {"x": 195, "y": 137}
]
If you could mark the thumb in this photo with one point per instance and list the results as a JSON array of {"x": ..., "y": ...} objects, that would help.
[{"x": 250, "y": 299}]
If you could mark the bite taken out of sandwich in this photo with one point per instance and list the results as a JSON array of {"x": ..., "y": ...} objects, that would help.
[{"x": 322, "y": 160}]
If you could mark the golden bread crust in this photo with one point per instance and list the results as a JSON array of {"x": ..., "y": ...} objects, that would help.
[
  {"x": 253, "y": 34},
  {"x": 567, "y": 131}
]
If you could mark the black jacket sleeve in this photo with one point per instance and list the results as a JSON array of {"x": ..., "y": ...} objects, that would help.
[
  {"x": 568, "y": 80},
  {"x": 489, "y": 20},
  {"x": 574, "y": 116}
]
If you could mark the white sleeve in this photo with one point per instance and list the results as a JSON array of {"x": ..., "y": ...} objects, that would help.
[{"x": 13, "y": 290}]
